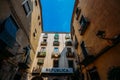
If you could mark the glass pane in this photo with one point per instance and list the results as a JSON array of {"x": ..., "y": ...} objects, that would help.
[
  {"x": 55, "y": 49},
  {"x": 26, "y": 7}
]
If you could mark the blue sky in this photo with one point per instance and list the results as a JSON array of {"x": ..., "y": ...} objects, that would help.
[{"x": 56, "y": 15}]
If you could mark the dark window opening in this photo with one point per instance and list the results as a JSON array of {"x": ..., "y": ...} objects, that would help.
[
  {"x": 84, "y": 51},
  {"x": 55, "y": 63},
  {"x": 78, "y": 13},
  {"x": 94, "y": 74},
  {"x": 36, "y": 2},
  {"x": 45, "y": 40},
  {"x": 9, "y": 30},
  {"x": 114, "y": 73},
  {"x": 26, "y": 7},
  {"x": 76, "y": 43},
  {"x": 70, "y": 64},
  {"x": 83, "y": 25}
]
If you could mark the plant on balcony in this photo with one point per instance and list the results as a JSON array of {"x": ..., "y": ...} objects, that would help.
[
  {"x": 41, "y": 54},
  {"x": 69, "y": 54},
  {"x": 55, "y": 55},
  {"x": 40, "y": 61},
  {"x": 43, "y": 43}
]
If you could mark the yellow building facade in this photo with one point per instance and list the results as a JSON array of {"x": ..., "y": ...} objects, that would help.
[
  {"x": 96, "y": 35},
  {"x": 20, "y": 29}
]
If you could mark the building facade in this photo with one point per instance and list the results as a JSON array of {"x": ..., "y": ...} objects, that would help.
[
  {"x": 55, "y": 59},
  {"x": 20, "y": 28},
  {"x": 96, "y": 35}
]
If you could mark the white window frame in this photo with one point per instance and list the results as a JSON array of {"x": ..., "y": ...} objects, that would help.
[{"x": 28, "y": 6}]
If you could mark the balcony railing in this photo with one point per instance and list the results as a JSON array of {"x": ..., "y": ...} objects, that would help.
[
  {"x": 41, "y": 54},
  {"x": 40, "y": 61},
  {"x": 68, "y": 43},
  {"x": 45, "y": 36},
  {"x": 56, "y": 43},
  {"x": 55, "y": 55},
  {"x": 36, "y": 71},
  {"x": 70, "y": 54},
  {"x": 67, "y": 37},
  {"x": 43, "y": 43}
]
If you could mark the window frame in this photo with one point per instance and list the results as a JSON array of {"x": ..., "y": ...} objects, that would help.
[
  {"x": 55, "y": 63},
  {"x": 43, "y": 49},
  {"x": 78, "y": 11},
  {"x": 84, "y": 50},
  {"x": 69, "y": 65},
  {"x": 28, "y": 6},
  {"x": 56, "y": 51},
  {"x": 83, "y": 25}
]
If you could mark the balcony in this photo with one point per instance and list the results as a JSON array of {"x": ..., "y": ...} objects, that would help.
[
  {"x": 41, "y": 54},
  {"x": 40, "y": 61},
  {"x": 68, "y": 43},
  {"x": 69, "y": 53},
  {"x": 8, "y": 31},
  {"x": 56, "y": 36},
  {"x": 55, "y": 55},
  {"x": 36, "y": 71},
  {"x": 83, "y": 25},
  {"x": 45, "y": 36},
  {"x": 67, "y": 36},
  {"x": 43, "y": 43},
  {"x": 25, "y": 63},
  {"x": 56, "y": 43}
]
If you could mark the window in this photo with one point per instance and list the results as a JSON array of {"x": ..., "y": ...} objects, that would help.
[
  {"x": 78, "y": 13},
  {"x": 114, "y": 73},
  {"x": 55, "y": 63},
  {"x": 76, "y": 43},
  {"x": 56, "y": 36},
  {"x": 55, "y": 49},
  {"x": 26, "y": 7},
  {"x": 73, "y": 30},
  {"x": 70, "y": 63},
  {"x": 69, "y": 50},
  {"x": 83, "y": 25},
  {"x": 94, "y": 74},
  {"x": 45, "y": 40},
  {"x": 43, "y": 49},
  {"x": 27, "y": 54},
  {"x": 67, "y": 36},
  {"x": 68, "y": 42},
  {"x": 38, "y": 17},
  {"x": 35, "y": 33},
  {"x": 84, "y": 51},
  {"x": 8, "y": 33},
  {"x": 36, "y": 2}
]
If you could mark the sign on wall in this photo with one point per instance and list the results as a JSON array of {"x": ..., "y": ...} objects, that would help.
[{"x": 57, "y": 70}]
